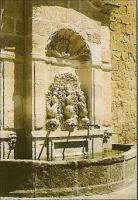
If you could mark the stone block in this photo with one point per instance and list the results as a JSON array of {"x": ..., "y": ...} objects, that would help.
[
  {"x": 116, "y": 172},
  {"x": 20, "y": 178},
  {"x": 14, "y": 8},
  {"x": 123, "y": 9},
  {"x": 131, "y": 10},
  {"x": 96, "y": 56},
  {"x": 116, "y": 55},
  {"x": 125, "y": 38},
  {"x": 130, "y": 29},
  {"x": 28, "y": 27},
  {"x": 94, "y": 38},
  {"x": 105, "y": 44},
  {"x": 125, "y": 19},
  {"x": 115, "y": 17},
  {"x": 55, "y": 175},
  {"x": 39, "y": 44},
  {"x": 87, "y": 171},
  {"x": 28, "y": 44},
  {"x": 130, "y": 168},
  {"x": 8, "y": 25},
  {"x": 117, "y": 45},
  {"x": 114, "y": 26},
  {"x": 20, "y": 46},
  {"x": 123, "y": 28},
  {"x": 19, "y": 27},
  {"x": 41, "y": 27}
]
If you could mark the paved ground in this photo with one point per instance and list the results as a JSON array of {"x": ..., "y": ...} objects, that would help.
[{"x": 126, "y": 193}]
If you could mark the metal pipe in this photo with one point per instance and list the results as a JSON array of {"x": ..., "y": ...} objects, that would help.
[
  {"x": 94, "y": 97},
  {"x": 34, "y": 125},
  {"x": 3, "y": 95},
  {"x": 51, "y": 150},
  {"x": 92, "y": 148},
  {"x": 0, "y": 102},
  {"x": 9, "y": 154},
  {"x": 46, "y": 140}
]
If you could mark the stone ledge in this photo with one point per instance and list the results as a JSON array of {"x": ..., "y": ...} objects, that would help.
[
  {"x": 77, "y": 133},
  {"x": 5, "y": 134}
]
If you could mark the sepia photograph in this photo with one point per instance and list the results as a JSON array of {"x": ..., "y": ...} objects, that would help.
[{"x": 68, "y": 100}]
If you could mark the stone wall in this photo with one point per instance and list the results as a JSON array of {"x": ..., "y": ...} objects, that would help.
[
  {"x": 11, "y": 64},
  {"x": 94, "y": 35},
  {"x": 25, "y": 30},
  {"x": 123, "y": 50},
  {"x": 37, "y": 179},
  {"x": 121, "y": 22}
]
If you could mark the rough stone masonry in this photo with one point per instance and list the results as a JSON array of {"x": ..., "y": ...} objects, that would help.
[{"x": 123, "y": 49}]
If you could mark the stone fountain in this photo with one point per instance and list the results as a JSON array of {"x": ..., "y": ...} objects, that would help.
[
  {"x": 69, "y": 132},
  {"x": 72, "y": 97}
]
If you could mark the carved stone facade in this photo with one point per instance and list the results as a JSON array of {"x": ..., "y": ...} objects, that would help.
[{"x": 40, "y": 40}]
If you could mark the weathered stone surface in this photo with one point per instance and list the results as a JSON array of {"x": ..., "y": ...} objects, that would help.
[
  {"x": 122, "y": 42},
  {"x": 116, "y": 172},
  {"x": 56, "y": 175},
  {"x": 13, "y": 8},
  {"x": 130, "y": 168},
  {"x": 26, "y": 178},
  {"x": 8, "y": 25},
  {"x": 21, "y": 179},
  {"x": 19, "y": 27}
]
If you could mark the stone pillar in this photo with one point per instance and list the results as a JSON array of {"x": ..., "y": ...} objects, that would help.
[{"x": 12, "y": 61}]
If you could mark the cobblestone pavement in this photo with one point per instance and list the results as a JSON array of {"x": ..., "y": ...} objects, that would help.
[{"x": 126, "y": 193}]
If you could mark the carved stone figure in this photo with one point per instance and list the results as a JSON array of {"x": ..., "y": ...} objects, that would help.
[
  {"x": 52, "y": 124},
  {"x": 52, "y": 107},
  {"x": 66, "y": 103},
  {"x": 70, "y": 124},
  {"x": 12, "y": 139},
  {"x": 69, "y": 111}
]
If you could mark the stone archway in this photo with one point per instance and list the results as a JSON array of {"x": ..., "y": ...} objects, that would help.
[{"x": 68, "y": 44}]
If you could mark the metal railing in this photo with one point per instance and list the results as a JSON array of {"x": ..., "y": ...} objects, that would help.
[
  {"x": 7, "y": 145},
  {"x": 48, "y": 142}
]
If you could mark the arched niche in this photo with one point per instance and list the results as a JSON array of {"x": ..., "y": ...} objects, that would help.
[
  {"x": 68, "y": 51},
  {"x": 68, "y": 44}
]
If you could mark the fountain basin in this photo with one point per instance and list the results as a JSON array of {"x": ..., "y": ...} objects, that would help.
[{"x": 29, "y": 178}]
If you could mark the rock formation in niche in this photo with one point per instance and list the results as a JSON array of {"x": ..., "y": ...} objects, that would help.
[{"x": 66, "y": 104}]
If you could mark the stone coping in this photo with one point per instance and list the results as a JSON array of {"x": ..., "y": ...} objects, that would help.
[
  {"x": 58, "y": 134},
  {"x": 28, "y": 178},
  {"x": 106, "y": 160}
]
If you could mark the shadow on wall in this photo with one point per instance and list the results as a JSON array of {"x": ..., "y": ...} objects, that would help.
[
  {"x": 88, "y": 8},
  {"x": 13, "y": 49}
]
